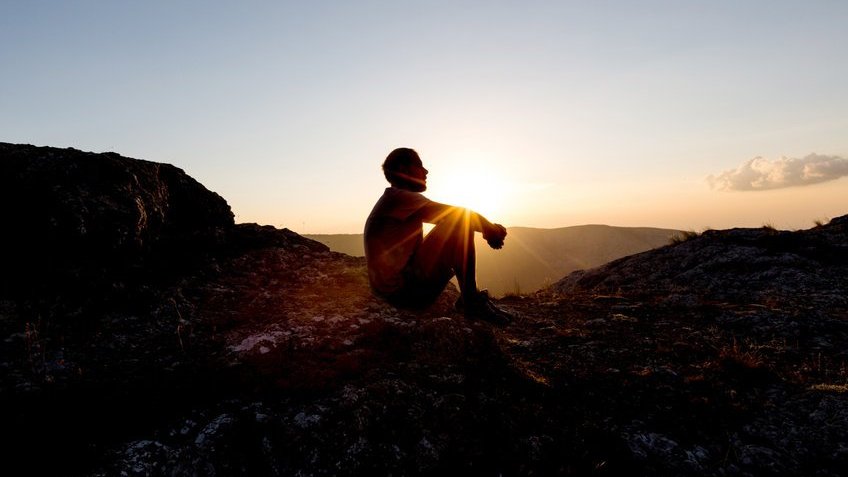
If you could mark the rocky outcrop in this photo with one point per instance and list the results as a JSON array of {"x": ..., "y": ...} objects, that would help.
[
  {"x": 70, "y": 215},
  {"x": 764, "y": 265},
  {"x": 270, "y": 356},
  {"x": 322, "y": 378}
]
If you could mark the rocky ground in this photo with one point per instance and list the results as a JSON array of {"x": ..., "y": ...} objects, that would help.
[
  {"x": 278, "y": 361},
  {"x": 720, "y": 355}
]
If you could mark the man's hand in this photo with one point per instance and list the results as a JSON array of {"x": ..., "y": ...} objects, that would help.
[{"x": 495, "y": 236}]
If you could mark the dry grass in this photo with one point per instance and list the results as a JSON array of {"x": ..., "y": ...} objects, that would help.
[
  {"x": 832, "y": 388},
  {"x": 769, "y": 228},
  {"x": 745, "y": 354},
  {"x": 683, "y": 236}
]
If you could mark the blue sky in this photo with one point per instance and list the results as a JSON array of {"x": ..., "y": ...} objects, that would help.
[{"x": 571, "y": 112}]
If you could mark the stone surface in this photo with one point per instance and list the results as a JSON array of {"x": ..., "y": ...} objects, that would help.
[
  {"x": 69, "y": 213},
  {"x": 270, "y": 356},
  {"x": 778, "y": 268}
]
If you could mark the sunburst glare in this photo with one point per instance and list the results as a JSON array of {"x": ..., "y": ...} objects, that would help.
[{"x": 471, "y": 184}]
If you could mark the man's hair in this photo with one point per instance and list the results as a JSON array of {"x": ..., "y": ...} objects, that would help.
[{"x": 396, "y": 160}]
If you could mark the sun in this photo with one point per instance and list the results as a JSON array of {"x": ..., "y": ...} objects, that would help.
[{"x": 481, "y": 189}]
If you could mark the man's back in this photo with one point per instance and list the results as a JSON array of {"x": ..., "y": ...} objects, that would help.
[{"x": 393, "y": 231}]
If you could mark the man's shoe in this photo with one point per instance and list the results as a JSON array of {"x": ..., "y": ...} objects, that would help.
[
  {"x": 459, "y": 304},
  {"x": 482, "y": 308}
]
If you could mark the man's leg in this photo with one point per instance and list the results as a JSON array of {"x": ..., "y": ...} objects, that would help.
[{"x": 448, "y": 250}]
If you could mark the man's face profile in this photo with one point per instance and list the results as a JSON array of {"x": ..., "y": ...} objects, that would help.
[
  {"x": 410, "y": 175},
  {"x": 416, "y": 175}
]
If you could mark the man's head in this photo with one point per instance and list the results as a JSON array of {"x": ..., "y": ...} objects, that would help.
[{"x": 403, "y": 169}]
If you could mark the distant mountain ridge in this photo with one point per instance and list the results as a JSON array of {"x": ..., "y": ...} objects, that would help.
[{"x": 536, "y": 257}]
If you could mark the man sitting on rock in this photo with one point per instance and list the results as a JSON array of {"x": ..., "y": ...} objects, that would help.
[{"x": 410, "y": 270}]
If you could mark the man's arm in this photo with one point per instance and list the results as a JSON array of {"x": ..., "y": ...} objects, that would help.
[{"x": 494, "y": 234}]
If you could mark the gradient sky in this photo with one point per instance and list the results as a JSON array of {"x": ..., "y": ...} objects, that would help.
[{"x": 556, "y": 113}]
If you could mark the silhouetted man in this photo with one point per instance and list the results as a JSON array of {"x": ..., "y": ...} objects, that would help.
[{"x": 411, "y": 270}]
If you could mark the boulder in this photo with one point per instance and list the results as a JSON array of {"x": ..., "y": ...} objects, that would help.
[{"x": 66, "y": 209}]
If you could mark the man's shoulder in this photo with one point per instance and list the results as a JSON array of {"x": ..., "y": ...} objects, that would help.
[
  {"x": 397, "y": 204},
  {"x": 404, "y": 196},
  {"x": 401, "y": 192}
]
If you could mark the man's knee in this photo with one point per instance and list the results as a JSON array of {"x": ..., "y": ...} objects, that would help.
[{"x": 454, "y": 227}]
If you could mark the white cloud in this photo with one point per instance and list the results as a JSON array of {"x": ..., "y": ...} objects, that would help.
[{"x": 763, "y": 174}]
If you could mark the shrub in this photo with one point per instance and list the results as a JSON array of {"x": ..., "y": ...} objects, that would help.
[{"x": 683, "y": 236}]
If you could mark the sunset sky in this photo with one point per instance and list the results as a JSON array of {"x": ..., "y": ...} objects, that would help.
[{"x": 637, "y": 113}]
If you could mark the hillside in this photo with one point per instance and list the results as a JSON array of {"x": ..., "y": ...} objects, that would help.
[
  {"x": 779, "y": 268},
  {"x": 534, "y": 258},
  {"x": 264, "y": 353}
]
